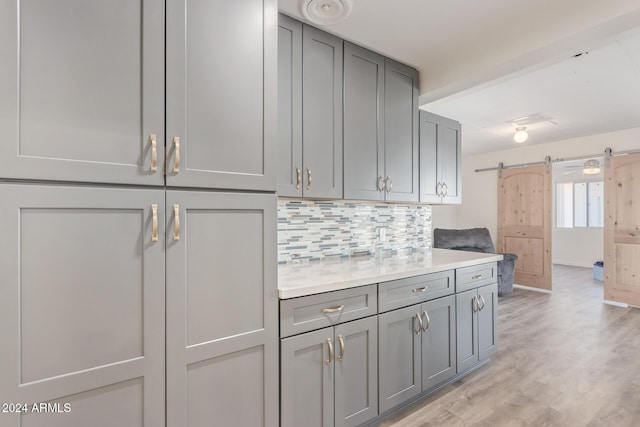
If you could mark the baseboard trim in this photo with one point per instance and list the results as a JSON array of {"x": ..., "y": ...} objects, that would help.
[
  {"x": 615, "y": 303},
  {"x": 573, "y": 264},
  {"x": 529, "y": 288}
]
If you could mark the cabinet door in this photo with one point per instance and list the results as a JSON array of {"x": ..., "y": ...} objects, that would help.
[
  {"x": 488, "y": 321},
  {"x": 221, "y": 94},
  {"x": 429, "y": 179},
  {"x": 222, "y": 315},
  {"x": 466, "y": 329},
  {"x": 449, "y": 159},
  {"x": 439, "y": 342},
  {"x": 82, "y": 307},
  {"x": 307, "y": 380},
  {"x": 356, "y": 372},
  {"x": 363, "y": 124},
  {"x": 399, "y": 356},
  {"x": 82, "y": 90},
  {"x": 401, "y": 132},
  {"x": 289, "y": 107},
  {"x": 322, "y": 118}
]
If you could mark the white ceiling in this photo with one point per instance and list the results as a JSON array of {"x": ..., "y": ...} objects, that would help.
[{"x": 486, "y": 62}]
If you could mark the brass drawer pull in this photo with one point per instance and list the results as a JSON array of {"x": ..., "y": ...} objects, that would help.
[
  {"x": 154, "y": 153},
  {"x": 476, "y": 277},
  {"x": 176, "y": 163},
  {"x": 330, "y": 359},
  {"x": 419, "y": 328},
  {"x": 483, "y": 303},
  {"x": 176, "y": 222},
  {"x": 427, "y": 321},
  {"x": 420, "y": 290},
  {"x": 298, "y": 177},
  {"x": 333, "y": 310},
  {"x": 154, "y": 223},
  {"x": 341, "y": 341}
]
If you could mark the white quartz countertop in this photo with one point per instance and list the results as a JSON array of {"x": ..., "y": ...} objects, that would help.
[{"x": 306, "y": 278}]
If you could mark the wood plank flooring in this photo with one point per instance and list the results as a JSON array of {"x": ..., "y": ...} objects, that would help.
[{"x": 564, "y": 359}]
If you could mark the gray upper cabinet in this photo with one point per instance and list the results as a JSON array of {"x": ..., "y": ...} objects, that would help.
[
  {"x": 401, "y": 132},
  {"x": 440, "y": 159},
  {"x": 289, "y": 107},
  {"x": 309, "y": 111},
  {"x": 82, "y": 91},
  {"x": 380, "y": 128},
  {"x": 222, "y": 315},
  {"x": 82, "y": 308},
  {"x": 363, "y": 124},
  {"x": 221, "y": 94}
]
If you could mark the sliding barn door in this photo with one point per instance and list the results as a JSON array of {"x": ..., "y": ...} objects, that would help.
[
  {"x": 622, "y": 230},
  {"x": 524, "y": 223}
]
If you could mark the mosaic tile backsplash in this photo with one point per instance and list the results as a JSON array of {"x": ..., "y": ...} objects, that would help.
[{"x": 311, "y": 230}]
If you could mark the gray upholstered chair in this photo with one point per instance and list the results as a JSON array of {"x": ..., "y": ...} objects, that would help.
[{"x": 477, "y": 240}]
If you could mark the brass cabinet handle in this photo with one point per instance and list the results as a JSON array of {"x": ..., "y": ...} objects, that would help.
[
  {"x": 341, "y": 355},
  {"x": 381, "y": 184},
  {"x": 154, "y": 223},
  {"x": 308, "y": 179},
  {"x": 330, "y": 359},
  {"x": 298, "y": 177},
  {"x": 389, "y": 184},
  {"x": 420, "y": 290},
  {"x": 176, "y": 222},
  {"x": 333, "y": 310},
  {"x": 475, "y": 303},
  {"x": 154, "y": 152},
  {"x": 445, "y": 188},
  {"x": 483, "y": 303},
  {"x": 427, "y": 319},
  {"x": 419, "y": 319},
  {"x": 476, "y": 277},
  {"x": 176, "y": 146}
]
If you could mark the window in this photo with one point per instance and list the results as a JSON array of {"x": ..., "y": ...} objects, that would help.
[{"x": 580, "y": 204}]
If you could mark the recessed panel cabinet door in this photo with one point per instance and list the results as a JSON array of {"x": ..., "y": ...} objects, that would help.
[
  {"x": 363, "y": 124},
  {"x": 467, "y": 329},
  {"x": 439, "y": 341},
  {"x": 399, "y": 356},
  {"x": 222, "y": 94},
  {"x": 488, "y": 321},
  {"x": 82, "y": 307},
  {"x": 222, "y": 309},
  {"x": 82, "y": 90}
]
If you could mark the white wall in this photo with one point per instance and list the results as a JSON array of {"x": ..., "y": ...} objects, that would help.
[{"x": 480, "y": 190}]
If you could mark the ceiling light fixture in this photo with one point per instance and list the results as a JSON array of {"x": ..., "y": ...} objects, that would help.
[
  {"x": 521, "y": 135},
  {"x": 325, "y": 12},
  {"x": 591, "y": 167}
]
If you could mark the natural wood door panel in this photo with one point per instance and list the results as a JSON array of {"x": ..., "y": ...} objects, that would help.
[
  {"x": 524, "y": 223},
  {"x": 622, "y": 229}
]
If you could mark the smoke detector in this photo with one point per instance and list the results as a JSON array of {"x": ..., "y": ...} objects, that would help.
[{"x": 325, "y": 12}]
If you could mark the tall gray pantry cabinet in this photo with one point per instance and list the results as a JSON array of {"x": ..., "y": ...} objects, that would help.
[{"x": 91, "y": 225}]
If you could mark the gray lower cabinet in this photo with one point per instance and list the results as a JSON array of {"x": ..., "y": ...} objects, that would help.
[
  {"x": 440, "y": 159},
  {"x": 221, "y": 94},
  {"x": 309, "y": 111},
  {"x": 380, "y": 127},
  {"x": 82, "y": 308},
  {"x": 221, "y": 312},
  {"x": 417, "y": 350},
  {"x": 82, "y": 91},
  {"x": 477, "y": 315},
  {"x": 329, "y": 376}
]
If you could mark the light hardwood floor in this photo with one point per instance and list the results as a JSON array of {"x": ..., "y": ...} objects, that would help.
[{"x": 564, "y": 359}]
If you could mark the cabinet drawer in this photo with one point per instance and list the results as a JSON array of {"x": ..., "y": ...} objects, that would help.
[
  {"x": 412, "y": 290},
  {"x": 477, "y": 275},
  {"x": 304, "y": 314}
]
